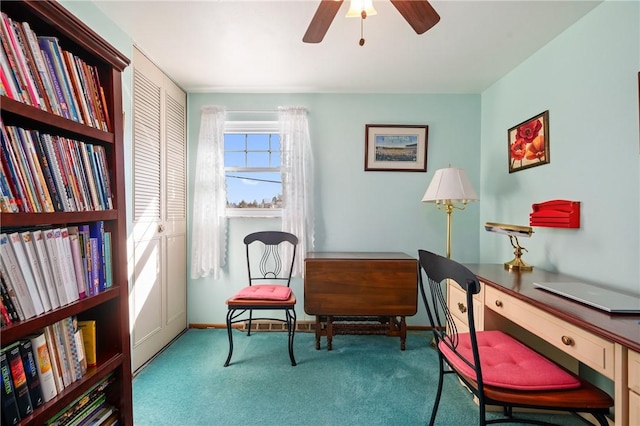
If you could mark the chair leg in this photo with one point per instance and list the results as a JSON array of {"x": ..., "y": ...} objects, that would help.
[
  {"x": 291, "y": 330},
  {"x": 250, "y": 318},
  {"x": 229, "y": 332},
  {"x": 436, "y": 403}
]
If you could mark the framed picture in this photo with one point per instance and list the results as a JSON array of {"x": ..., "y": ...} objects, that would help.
[
  {"x": 528, "y": 143},
  {"x": 395, "y": 148}
]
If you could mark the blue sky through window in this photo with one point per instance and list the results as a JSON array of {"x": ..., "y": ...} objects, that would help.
[{"x": 247, "y": 151}]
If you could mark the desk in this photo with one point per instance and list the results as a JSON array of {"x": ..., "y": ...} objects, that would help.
[
  {"x": 608, "y": 343},
  {"x": 360, "y": 293}
]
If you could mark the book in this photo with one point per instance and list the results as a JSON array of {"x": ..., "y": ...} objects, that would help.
[
  {"x": 66, "y": 258},
  {"x": 10, "y": 412},
  {"x": 82, "y": 358},
  {"x": 10, "y": 163},
  {"x": 69, "y": 331},
  {"x": 41, "y": 67},
  {"x": 15, "y": 240},
  {"x": 56, "y": 368},
  {"x": 4, "y": 314},
  {"x": 45, "y": 268},
  {"x": 15, "y": 277},
  {"x": 58, "y": 173},
  {"x": 44, "y": 367},
  {"x": 47, "y": 171},
  {"x": 42, "y": 190},
  {"x": 7, "y": 300},
  {"x": 51, "y": 246},
  {"x": 88, "y": 328},
  {"x": 66, "y": 368},
  {"x": 22, "y": 168},
  {"x": 48, "y": 55},
  {"x": 10, "y": 292},
  {"x": 78, "y": 405},
  {"x": 108, "y": 267},
  {"x": 36, "y": 270},
  {"x": 31, "y": 371},
  {"x": 77, "y": 252},
  {"x": 19, "y": 378},
  {"x": 51, "y": 49},
  {"x": 96, "y": 230}
]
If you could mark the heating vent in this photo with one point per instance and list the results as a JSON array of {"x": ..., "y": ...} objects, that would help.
[{"x": 278, "y": 326}]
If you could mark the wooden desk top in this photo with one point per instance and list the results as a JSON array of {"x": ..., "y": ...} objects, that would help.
[
  {"x": 619, "y": 328},
  {"x": 357, "y": 255}
]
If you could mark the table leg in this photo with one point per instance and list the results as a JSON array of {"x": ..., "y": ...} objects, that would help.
[
  {"x": 403, "y": 333},
  {"x": 329, "y": 332},
  {"x": 318, "y": 331}
]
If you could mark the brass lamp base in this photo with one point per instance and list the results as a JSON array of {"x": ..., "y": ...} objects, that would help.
[{"x": 517, "y": 264}]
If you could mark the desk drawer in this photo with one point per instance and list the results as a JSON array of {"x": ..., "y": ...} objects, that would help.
[
  {"x": 634, "y": 372},
  {"x": 457, "y": 301},
  {"x": 578, "y": 343}
]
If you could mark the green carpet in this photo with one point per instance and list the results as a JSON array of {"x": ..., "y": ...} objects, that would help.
[{"x": 364, "y": 380}]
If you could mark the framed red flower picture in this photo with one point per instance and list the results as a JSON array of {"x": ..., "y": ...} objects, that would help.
[{"x": 529, "y": 143}]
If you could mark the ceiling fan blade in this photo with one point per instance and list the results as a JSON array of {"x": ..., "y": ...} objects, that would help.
[
  {"x": 321, "y": 21},
  {"x": 418, "y": 13}
]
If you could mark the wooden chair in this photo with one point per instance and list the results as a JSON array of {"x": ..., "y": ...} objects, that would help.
[
  {"x": 269, "y": 281},
  {"x": 498, "y": 369}
]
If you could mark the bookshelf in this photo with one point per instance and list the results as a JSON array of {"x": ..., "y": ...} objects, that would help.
[{"x": 110, "y": 307}]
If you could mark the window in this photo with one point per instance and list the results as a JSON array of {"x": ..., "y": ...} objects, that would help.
[{"x": 252, "y": 168}]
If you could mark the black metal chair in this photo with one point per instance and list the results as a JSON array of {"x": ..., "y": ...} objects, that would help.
[
  {"x": 269, "y": 285},
  {"x": 498, "y": 369}
]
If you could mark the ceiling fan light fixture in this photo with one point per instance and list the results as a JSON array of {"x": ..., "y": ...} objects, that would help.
[{"x": 361, "y": 9}]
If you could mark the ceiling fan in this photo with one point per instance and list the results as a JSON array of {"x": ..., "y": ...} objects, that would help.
[{"x": 418, "y": 13}]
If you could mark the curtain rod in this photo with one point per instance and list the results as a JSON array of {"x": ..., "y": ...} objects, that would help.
[{"x": 255, "y": 111}]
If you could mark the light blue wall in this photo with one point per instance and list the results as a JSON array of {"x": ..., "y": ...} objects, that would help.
[
  {"x": 588, "y": 80},
  {"x": 355, "y": 210}
]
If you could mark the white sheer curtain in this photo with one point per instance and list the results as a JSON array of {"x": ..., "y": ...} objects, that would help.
[
  {"x": 209, "y": 229},
  {"x": 297, "y": 180}
]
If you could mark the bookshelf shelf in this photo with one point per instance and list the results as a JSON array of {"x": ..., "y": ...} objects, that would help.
[{"x": 109, "y": 307}]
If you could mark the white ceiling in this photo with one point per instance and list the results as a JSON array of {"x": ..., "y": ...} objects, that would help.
[{"x": 242, "y": 46}]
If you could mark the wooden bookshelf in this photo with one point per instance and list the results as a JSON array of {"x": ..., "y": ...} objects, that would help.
[{"x": 108, "y": 308}]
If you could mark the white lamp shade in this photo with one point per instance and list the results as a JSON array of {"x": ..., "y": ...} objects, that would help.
[
  {"x": 357, "y": 6},
  {"x": 450, "y": 184}
]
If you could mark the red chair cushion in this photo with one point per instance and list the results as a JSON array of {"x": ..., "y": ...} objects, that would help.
[
  {"x": 508, "y": 363},
  {"x": 264, "y": 292}
]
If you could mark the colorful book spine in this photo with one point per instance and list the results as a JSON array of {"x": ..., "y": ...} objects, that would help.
[
  {"x": 10, "y": 412},
  {"x": 31, "y": 371},
  {"x": 88, "y": 328},
  {"x": 44, "y": 367},
  {"x": 23, "y": 398},
  {"x": 96, "y": 230},
  {"x": 52, "y": 252},
  {"x": 48, "y": 55}
]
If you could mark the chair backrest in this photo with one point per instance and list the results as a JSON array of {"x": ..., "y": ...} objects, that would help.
[
  {"x": 438, "y": 269},
  {"x": 268, "y": 261}
]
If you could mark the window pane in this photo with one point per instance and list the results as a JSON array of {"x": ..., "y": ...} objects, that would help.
[
  {"x": 234, "y": 142},
  {"x": 234, "y": 159},
  {"x": 258, "y": 142},
  {"x": 258, "y": 159},
  {"x": 275, "y": 142},
  {"x": 254, "y": 190}
]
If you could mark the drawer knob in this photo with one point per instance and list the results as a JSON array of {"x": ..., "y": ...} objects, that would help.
[
  {"x": 462, "y": 308},
  {"x": 499, "y": 303},
  {"x": 567, "y": 340}
]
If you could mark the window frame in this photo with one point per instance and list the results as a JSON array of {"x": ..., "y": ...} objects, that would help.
[{"x": 255, "y": 127}]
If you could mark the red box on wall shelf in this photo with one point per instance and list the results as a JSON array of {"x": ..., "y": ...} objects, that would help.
[{"x": 556, "y": 214}]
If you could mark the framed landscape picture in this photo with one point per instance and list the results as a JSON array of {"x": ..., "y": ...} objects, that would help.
[
  {"x": 395, "y": 148},
  {"x": 528, "y": 143}
]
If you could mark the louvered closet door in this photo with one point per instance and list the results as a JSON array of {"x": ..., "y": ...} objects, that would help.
[{"x": 159, "y": 297}]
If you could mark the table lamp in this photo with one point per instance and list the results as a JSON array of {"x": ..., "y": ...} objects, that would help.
[{"x": 450, "y": 189}]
